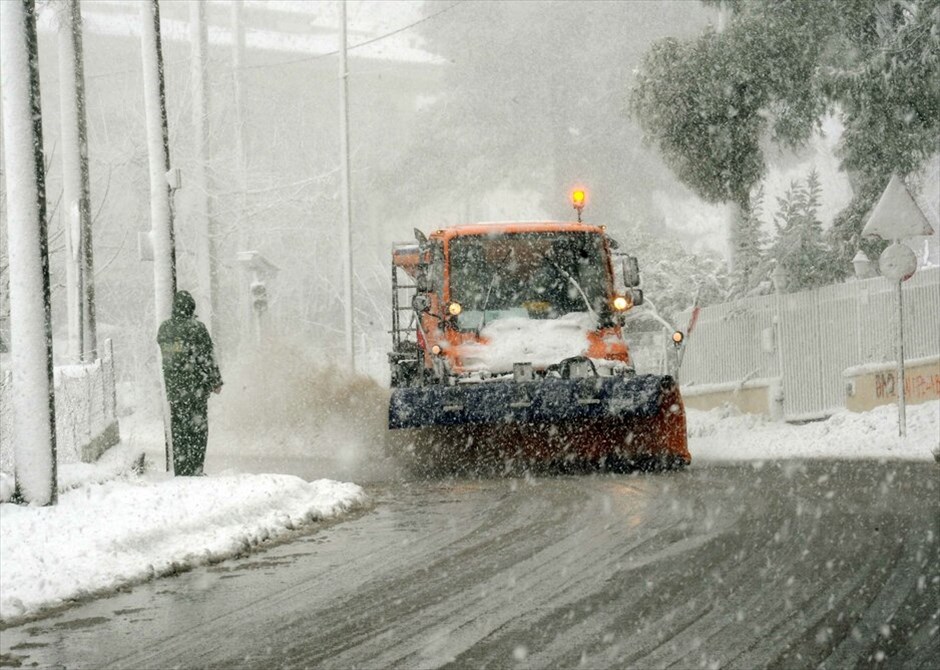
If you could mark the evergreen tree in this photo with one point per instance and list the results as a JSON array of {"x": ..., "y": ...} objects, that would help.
[
  {"x": 815, "y": 261},
  {"x": 799, "y": 247},
  {"x": 750, "y": 268},
  {"x": 785, "y": 225}
]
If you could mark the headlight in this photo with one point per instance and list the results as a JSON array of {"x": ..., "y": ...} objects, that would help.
[
  {"x": 620, "y": 303},
  {"x": 454, "y": 308}
]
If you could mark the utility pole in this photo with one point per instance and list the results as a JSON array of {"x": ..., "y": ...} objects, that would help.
[
  {"x": 79, "y": 264},
  {"x": 30, "y": 305},
  {"x": 161, "y": 217},
  {"x": 206, "y": 260},
  {"x": 243, "y": 234},
  {"x": 347, "y": 206},
  {"x": 241, "y": 167},
  {"x": 161, "y": 223}
]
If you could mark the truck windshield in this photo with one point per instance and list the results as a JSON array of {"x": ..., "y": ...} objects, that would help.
[{"x": 529, "y": 275}]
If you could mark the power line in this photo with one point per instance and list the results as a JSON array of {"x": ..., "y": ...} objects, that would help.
[{"x": 307, "y": 59}]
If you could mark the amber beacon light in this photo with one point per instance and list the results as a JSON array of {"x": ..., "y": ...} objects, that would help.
[{"x": 578, "y": 198}]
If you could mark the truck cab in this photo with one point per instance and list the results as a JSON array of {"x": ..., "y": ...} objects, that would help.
[{"x": 490, "y": 297}]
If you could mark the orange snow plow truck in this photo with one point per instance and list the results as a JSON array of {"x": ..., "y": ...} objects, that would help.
[{"x": 508, "y": 344}]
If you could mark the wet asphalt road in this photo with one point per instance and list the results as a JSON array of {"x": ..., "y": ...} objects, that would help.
[{"x": 789, "y": 564}]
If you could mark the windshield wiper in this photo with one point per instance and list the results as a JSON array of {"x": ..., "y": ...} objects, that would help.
[
  {"x": 576, "y": 285},
  {"x": 493, "y": 282}
]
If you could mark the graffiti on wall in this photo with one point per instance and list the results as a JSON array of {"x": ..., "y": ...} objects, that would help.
[{"x": 916, "y": 386}]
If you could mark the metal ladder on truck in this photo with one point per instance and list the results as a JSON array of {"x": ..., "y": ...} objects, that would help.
[{"x": 405, "y": 356}]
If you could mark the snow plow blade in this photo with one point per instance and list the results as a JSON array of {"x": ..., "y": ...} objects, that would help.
[{"x": 614, "y": 421}]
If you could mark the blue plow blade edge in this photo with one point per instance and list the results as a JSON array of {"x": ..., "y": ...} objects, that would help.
[{"x": 544, "y": 401}]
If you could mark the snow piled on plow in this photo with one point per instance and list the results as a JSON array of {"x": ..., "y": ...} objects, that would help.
[
  {"x": 541, "y": 342},
  {"x": 724, "y": 434}
]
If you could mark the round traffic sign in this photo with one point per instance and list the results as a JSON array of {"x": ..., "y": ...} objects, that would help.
[{"x": 897, "y": 262}]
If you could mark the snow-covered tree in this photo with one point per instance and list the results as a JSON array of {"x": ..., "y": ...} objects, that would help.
[
  {"x": 673, "y": 277},
  {"x": 708, "y": 103},
  {"x": 844, "y": 237},
  {"x": 798, "y": 247},
  {"x": 751, "y": 267}
]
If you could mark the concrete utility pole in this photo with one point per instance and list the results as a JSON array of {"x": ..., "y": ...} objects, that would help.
[
  {"x": 206, "y": 256},
  {"x": 30, "y": 305},
  {"x": 347, "y": 206},
  {"x": 161, "y": 223},
  {"x": 241, "y": 163},
  {"x": 242, "y": 231},
  {"x": 79, "y": 264},
  {"x": 161, "y": 217}
]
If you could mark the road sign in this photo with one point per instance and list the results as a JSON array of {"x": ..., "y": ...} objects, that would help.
[
  {"x": 896, "y": 216},
  {"x": 897, "y": 262}
]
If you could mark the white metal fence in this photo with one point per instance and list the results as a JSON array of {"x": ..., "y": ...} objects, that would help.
[
  {"x": 85, "y": 410},
  {"x": 808, "y": 339}
]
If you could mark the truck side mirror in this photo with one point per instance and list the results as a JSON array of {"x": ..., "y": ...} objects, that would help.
[
  {"x": 420, "y": 303},
  {"x": 421, "y": 282},
  {"x": 637, "y": 295},
  {"x": 631, "y": 271}
]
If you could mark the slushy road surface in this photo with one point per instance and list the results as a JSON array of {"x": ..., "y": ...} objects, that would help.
[{"x": 780, "y": 564}]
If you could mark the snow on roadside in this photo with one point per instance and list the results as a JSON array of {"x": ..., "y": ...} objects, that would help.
[
  {"x": 102, "y": 536},
  {"x": 125, "y": 457},
  {"x": 723, "y": 434},
  {"x": 115, "y": 462},
  {"x": 118, "y": 460}
]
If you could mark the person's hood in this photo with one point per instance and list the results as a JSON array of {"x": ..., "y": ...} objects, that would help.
[{"x": 183, "y": 305}]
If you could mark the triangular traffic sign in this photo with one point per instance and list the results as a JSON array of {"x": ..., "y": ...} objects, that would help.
[{"x": 896, "y": 216}]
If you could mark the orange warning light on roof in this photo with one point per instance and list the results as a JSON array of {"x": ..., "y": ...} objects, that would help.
[{"x": 577, "y": 198}]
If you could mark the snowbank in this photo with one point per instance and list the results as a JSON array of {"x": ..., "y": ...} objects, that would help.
[
  {"x": 105, "y": 535},
  {"x": 115, "y": 462},
  {"x": 723, "y": 434}
]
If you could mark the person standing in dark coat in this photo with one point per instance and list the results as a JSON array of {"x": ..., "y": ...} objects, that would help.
[{"x": 190, "y": 373}]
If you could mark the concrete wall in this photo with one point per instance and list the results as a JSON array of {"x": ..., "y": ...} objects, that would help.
[
  {"x": 759, "y": 396},
  {"x": 810, "y": 339},
  {"x": 869, "y": 386}
]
